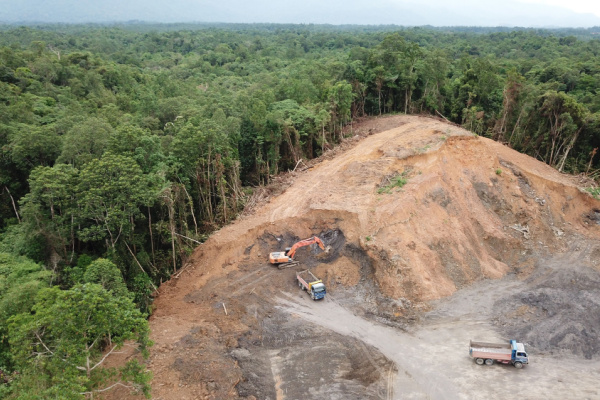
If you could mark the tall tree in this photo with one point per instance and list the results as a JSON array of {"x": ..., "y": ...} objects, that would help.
[
  {"x": 51, "y": 208},
  {"x": 85, "y": 141},
  {"x": 111, "y": 192},
  {"x": 565, "y": 118}
]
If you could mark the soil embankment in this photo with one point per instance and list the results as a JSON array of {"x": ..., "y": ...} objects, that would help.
[{"x": 473, "y": 216}]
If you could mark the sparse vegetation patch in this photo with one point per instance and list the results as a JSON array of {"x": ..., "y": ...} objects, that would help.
[{"x": 392, "y": 182}]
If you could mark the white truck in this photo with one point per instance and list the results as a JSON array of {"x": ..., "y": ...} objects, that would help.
[{"x": 506, "y": 353}]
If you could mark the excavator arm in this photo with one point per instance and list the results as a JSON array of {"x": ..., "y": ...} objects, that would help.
[
  {"x": 286, "y": 257},
  {"x": 305, "y": 242}
]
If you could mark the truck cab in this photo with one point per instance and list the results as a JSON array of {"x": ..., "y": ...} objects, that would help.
[
  {"x": 519, "y": 355},
  {"x": 317, "y": 291}
]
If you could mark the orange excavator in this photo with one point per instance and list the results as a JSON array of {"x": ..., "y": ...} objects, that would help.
[{"x": 285, "y": 257}]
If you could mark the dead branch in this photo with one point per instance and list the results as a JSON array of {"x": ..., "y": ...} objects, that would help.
[
  {"x": 51, "y": 352},
  {"x": 298, "y": 163},
  {"x": 57, "y": 52},
  {"x": 523, "y": 229},
  {"x": 188, "y": 238},
  {"x": 181, "y": 270},
  {"x": 104, "y": 358},
  {"x": 138, "y": 263},
  {"x": 13, "y": 203},
  {"x": 438, "y": 113}
]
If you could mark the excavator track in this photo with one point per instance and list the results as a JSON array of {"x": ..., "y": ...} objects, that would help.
[{"x": 287, "y": 265}]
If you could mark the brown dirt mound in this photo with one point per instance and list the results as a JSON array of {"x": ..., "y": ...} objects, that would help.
[
  {"x": 471, "y": 209},
  {"x": 559, "y": 312}
]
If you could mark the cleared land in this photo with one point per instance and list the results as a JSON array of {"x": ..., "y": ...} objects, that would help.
[{"x": 480, "y": 243}]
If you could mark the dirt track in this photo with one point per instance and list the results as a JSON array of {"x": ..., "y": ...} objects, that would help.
[
  {"x": 481, "y": 243},
  {"x": 432, "y": 357}
]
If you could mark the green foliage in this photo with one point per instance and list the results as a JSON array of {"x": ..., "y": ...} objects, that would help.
[
  {"x": 18, "y": 239},
  {"x": 114, "y": 142},
  {"x": 20, "y": 281},
  {"x": 111, "y": 191},
  {"x": 50, "y": 206},
  {"x": 391, "y": 182},
  {"x": 85, "y": 141},
  {"x": 32, "y": 146},
  {"x": 107, "y": 275},
  {"x": 594, "y": 191},
  {"x": 142, "y": 291},
  {"x": 58, "y": 348},
  {"x": 498, "y": 171}
]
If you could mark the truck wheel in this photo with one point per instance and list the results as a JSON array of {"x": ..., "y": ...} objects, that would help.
[
  {"x": 489, "y": 361},
  {"x": 479, "y": 361},
  {"x": 518, "y": 365}
]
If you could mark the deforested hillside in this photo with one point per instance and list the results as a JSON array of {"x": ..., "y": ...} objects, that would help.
[
  {"x": 433, "y": 235},
  {"x": 148, "y": 170}
]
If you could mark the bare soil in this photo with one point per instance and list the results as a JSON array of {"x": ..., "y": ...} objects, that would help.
[{"x": 481, "y": 243}]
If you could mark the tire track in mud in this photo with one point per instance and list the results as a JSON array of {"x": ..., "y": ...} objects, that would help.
[
  {"x": 249, "y": 274},
  {"x": 388, "y": 375},
  {"x": 390, "y": 383},
  {"x": 253, "y": 282}
]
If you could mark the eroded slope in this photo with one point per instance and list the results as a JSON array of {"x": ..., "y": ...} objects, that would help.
[{"x": 471, "y": 209}]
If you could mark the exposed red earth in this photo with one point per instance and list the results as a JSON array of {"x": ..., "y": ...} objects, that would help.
[{"x": 481, "y": 243}]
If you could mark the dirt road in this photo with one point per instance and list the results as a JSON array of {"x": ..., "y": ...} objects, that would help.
[{"x": 432, "y": 358}]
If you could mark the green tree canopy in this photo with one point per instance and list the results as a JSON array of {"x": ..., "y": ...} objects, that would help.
[
  {"x": 60, "y": 347},
  {"x": 107, "y": 275},
  {"x": 111, "y": 192},
  {"x": 20, "y": 280},
  {"x": 85, "y": 141}
]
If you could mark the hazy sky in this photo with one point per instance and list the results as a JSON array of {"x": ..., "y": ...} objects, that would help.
[
  {"x": 576, "y": 13},
  {"x": 580, "y": 6}
]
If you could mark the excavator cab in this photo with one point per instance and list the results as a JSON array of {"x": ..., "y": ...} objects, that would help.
[{"x": 279, "y": 257}]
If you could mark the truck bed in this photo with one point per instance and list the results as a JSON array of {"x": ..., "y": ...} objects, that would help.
[
  {"x": 486, "y": 345},
  {"x": 477, "y": 353},
  {"x": 303, "y": 282},
  {"x": 306, "y": 277},
  {"x": 490, "y": 350}
]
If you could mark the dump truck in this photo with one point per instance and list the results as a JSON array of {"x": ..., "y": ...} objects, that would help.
[
  {"x": 506, "y": 353},
  {"x": 313, "y": 285}
]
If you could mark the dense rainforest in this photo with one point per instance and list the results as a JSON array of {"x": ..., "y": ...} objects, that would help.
[{"x": 122, "y": 147}]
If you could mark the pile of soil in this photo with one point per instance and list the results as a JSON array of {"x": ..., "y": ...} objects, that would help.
[
  {"x": 559, "y": 312},
  {"x": 471, "y": 209}
]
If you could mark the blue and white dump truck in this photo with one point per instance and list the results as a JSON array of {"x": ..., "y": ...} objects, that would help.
[
  {"x": 313, "y": 285},
  {"x": 507, "y": 353}
]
